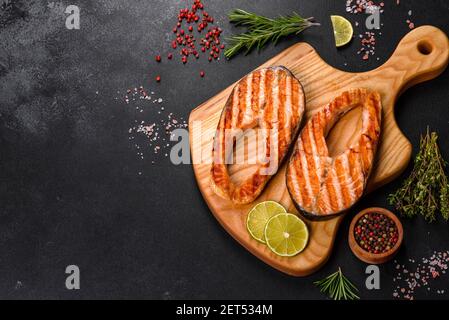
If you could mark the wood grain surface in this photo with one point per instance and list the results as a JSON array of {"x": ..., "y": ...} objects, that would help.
[{"x": 421, "y": 55}]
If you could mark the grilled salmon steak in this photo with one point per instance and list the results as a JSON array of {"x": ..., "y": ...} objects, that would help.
[
  {"x": 269, "y": 100},
  {"x": 322, "y": 186}
]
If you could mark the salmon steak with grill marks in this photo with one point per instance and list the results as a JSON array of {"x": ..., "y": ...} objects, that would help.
[
  {"x": 272, "y": 101},
  {"x": 322, "y": 186}
]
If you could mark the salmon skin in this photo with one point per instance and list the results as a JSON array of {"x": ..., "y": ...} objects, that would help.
[
  {"x": 321, "y": 186},
  {"x": 271, "y": 100}
]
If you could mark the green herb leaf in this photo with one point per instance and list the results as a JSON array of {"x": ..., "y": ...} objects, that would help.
[
  {"x": 426, "y": 190},
  {"x": 338, "y": 287},
  {"x": 262, "y": 29}
]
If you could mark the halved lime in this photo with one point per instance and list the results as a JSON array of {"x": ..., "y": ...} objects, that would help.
[
  {"x": 286, "y": 234},
  {"x": 259, "y": 216},
  {"x": 342, "y": 30}
]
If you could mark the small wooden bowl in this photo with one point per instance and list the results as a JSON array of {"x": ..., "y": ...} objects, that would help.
[{"x": 373, "y": 258}]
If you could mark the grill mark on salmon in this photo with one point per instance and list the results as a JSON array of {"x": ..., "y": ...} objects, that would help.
[
  {"x": 288, "y": 109},
  {"x": 247, "y": 116},
  {"x": 322, "y": 186},
  {"x": 282, "y": 117},
  {"x": 242, "y": 102},
  {"x": 234, "y": 110},
  {"x": 308, "y": 194},
  {"x": 272, "y": 100},
  {"x": 274, "y": 121},
  {"x": 347, "y": 182}
]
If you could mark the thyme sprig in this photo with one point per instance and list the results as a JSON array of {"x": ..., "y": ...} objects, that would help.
[
  {"x": 426, "y": 190},
  {"x": 338, "y": 287},
  {"x": 262, "y": 29}
]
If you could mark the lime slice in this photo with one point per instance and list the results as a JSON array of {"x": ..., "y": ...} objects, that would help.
[
  {"x": 286, "y": 235},
  {"x": 342, "y": 30},
  {"x": 259, "y": 216}
]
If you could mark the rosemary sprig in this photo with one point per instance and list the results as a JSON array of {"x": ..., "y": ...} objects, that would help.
[
  {"x": 338, "y": 287},
  {"x": 426, "y": 190},
  {"x": 262, "y": 29}
]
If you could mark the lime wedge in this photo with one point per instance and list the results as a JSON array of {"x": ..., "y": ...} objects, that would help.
[
  {"x": 259, "y": 216},
  {"x": 286, "y": 235},
  {"x": 342, "y": 30}
]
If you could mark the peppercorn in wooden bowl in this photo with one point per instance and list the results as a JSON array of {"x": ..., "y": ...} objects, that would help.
[{"x": 375, "y": 235}]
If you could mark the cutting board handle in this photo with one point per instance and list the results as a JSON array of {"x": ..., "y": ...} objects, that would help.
[{"x": 423, "y": 54}]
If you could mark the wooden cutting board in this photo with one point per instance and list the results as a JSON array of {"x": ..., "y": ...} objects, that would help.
[{"x": 421, "y": 55}]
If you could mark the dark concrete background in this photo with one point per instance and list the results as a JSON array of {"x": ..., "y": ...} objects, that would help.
[{"x": 70, "y": 192}]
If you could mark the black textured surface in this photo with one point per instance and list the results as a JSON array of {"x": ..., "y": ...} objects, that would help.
[{"x": 70, "y": 192}]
